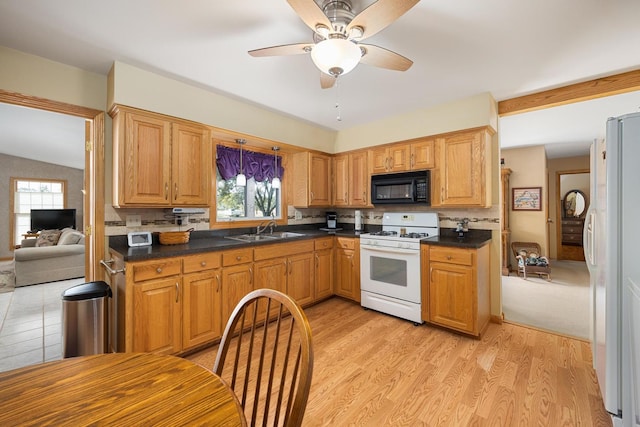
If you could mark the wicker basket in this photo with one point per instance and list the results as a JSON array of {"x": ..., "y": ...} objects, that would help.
[{"x": 174, "y": 237}]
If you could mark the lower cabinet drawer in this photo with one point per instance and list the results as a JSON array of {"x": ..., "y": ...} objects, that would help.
[
  {"x": 195, "y": 263},
  {"x": 155, "y": 270},
  {"x": 451, "y": 255}
]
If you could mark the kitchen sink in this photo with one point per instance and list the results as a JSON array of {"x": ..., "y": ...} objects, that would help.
[
  {"x": 264, "y": 237},
  {"x": 251, "y": 237},
  {"x": 286, "y": 235}
]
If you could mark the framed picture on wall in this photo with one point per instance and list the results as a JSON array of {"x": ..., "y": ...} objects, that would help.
[{"x": 527, "y": 199}]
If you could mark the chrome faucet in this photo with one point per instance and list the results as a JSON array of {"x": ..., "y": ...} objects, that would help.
[{"x": 271, "y": 224}]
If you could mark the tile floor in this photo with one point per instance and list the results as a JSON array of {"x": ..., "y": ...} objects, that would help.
[{"x": 30, "y": 324}]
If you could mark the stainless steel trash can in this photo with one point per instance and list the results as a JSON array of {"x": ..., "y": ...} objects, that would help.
[{"x": 85, "y": 319}]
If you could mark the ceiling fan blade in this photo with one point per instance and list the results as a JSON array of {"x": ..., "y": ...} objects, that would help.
[
  {"x": 285, "y": 49},
  {"x": 326, "y": 81},
  {"x": 383, "y": 58},
  {"x": 379, "y": 15},
  {"x": 310, "y": 13}
]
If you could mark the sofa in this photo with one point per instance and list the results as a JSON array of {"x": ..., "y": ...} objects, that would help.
[{"x": 53, "y": 255}]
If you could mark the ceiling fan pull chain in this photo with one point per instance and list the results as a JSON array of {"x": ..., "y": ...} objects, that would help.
[{"x": 338, "y": 109}]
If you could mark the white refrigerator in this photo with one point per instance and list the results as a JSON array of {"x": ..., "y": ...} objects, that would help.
[{"x": 612, "y": 252}]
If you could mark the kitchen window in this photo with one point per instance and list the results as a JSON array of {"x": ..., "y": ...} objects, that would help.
[{"x": 256, "y": 200}]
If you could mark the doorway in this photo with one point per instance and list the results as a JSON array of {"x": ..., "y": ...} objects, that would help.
[
  {"x": 573, "y": 188},
  {"x": 93, "y": 205}
]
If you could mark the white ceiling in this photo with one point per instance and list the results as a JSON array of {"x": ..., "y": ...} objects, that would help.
[{"x": 459, "y": 48}]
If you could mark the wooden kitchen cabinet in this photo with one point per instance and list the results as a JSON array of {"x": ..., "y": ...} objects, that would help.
[
  {"x": 157, "y": 323},
  {"x": 390, "y": 158},
  {"x": 347, "y": 268},
  {"x": 351, "y": 180},
  {"x": 312, "y": 186},
  {"x": 341, "y": 180},
  {"x": 159, "y": 161},
  {"x": 301, "y": 278},
  {"x": 324, "y": 263},
  {"x": 458, "y": 287},
  {"x": 155, "y": 319},
  {"x": 190, "y": 165},
  {"x": 462, "y": 177},
  {"x": 201, "y": 299},
  {"x": 422, "y": 154},
  {"x": 167, "y": 305},
  {"x": 418, "y": 154},
  {"x": 237, "y": 279},
  {"x": 287, "y": 267}
]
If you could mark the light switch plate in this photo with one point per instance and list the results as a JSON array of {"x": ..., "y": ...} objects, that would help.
[
  {"x": 298, "y": 214},
  {"x": 134, "y": 221}
]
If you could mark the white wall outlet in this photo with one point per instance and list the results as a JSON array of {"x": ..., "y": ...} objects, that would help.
[
  {"x": 134, "y": 221},
  {"x": 298, "y": 215}
]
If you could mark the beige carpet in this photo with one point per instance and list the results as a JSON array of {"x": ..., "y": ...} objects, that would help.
[
  {"x": 7, "y": 277},
  {"x": 560, "y": 306}
]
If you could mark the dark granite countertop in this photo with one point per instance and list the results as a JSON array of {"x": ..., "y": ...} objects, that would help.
[
  {"x": 214, "y": 240},
  {"x": 473, "y": 239},
  {"x": 211, "y": 241}
]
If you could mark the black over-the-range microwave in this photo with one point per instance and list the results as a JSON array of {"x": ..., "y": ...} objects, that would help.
[{"x": 401, "y": 188}]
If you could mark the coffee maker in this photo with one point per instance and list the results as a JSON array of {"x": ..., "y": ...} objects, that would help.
[{"x": 332, "y": 220}]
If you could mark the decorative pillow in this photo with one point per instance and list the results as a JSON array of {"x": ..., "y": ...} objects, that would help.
[
  {"x": 69, "y": 236},
  {"x": 48, "y": 238}
]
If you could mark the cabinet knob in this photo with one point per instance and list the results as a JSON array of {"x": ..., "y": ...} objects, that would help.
[
  {"x": 449, "y": 257},
  {"x": 203, "y": 264},
  {"x": 238, "y": 258},
  {"x": 158, "y": 270}
]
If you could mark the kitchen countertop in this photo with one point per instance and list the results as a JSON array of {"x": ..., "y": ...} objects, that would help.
[
  {"x": 211, "y": 241},
  {"x": 214, "y": 240},
  {"x": 472, "y": 239}
]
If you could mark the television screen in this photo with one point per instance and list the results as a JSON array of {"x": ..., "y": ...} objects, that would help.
[{"x": 51, "y": 219}]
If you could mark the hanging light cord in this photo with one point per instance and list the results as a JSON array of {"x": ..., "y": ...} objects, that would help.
[{"x": 338, "y": 108}]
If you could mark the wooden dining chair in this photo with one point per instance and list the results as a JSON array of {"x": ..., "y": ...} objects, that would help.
[{"x": 271, "y": 363}]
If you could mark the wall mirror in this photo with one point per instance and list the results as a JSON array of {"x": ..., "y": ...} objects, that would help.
[{"x": 575, "y": 204}]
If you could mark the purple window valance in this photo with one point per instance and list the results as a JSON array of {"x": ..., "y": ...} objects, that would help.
[{"x": 255, "y": 165}]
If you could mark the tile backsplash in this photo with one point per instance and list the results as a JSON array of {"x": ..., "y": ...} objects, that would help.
[{"x": 163, "y": 220}]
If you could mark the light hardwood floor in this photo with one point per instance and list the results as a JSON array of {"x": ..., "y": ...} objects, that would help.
[{"x": 372, "y": 370}]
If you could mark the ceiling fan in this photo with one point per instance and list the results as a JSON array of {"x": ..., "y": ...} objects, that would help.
[{"x": 337, "y": 33}]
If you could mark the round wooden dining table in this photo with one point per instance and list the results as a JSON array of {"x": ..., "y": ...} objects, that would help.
[{"x": 117, "y": 389}]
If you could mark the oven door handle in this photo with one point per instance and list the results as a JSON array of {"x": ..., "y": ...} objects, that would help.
[{"x": 391, "y": 250}]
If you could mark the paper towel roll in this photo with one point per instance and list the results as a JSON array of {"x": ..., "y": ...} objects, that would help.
[{"x": 358, "y": 221}]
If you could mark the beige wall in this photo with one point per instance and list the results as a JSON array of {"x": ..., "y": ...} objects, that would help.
[
  {"x": 33, "y": 75},
  {"x": 529, "y": 169},
  {"x": 556, "y": 166},
  {"x": 475, "y": 111}
]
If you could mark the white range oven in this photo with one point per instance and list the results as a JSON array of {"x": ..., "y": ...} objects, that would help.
[{"x": 390, "y": 264}]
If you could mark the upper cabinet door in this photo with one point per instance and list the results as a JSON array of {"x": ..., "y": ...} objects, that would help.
[
  {"x": 464, "y": 170},
  {"x": 320, "y": 180},
  {"x": 341, "y": 180},
  {"x": 144, "y": 156},
  {"x": 190, "y": 165},
  {"x": 399, "y": 156},
  {"x": 423, "y": 154},
  {"x": 359, "y": 179},
  {"x": 311, "y": 174}
]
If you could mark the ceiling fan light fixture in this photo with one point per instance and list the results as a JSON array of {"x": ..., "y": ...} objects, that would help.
[
  {"x": 356, "y": 32},
  {"x": 323, "y": 30},
  {"x": 336, "y": 56}
]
